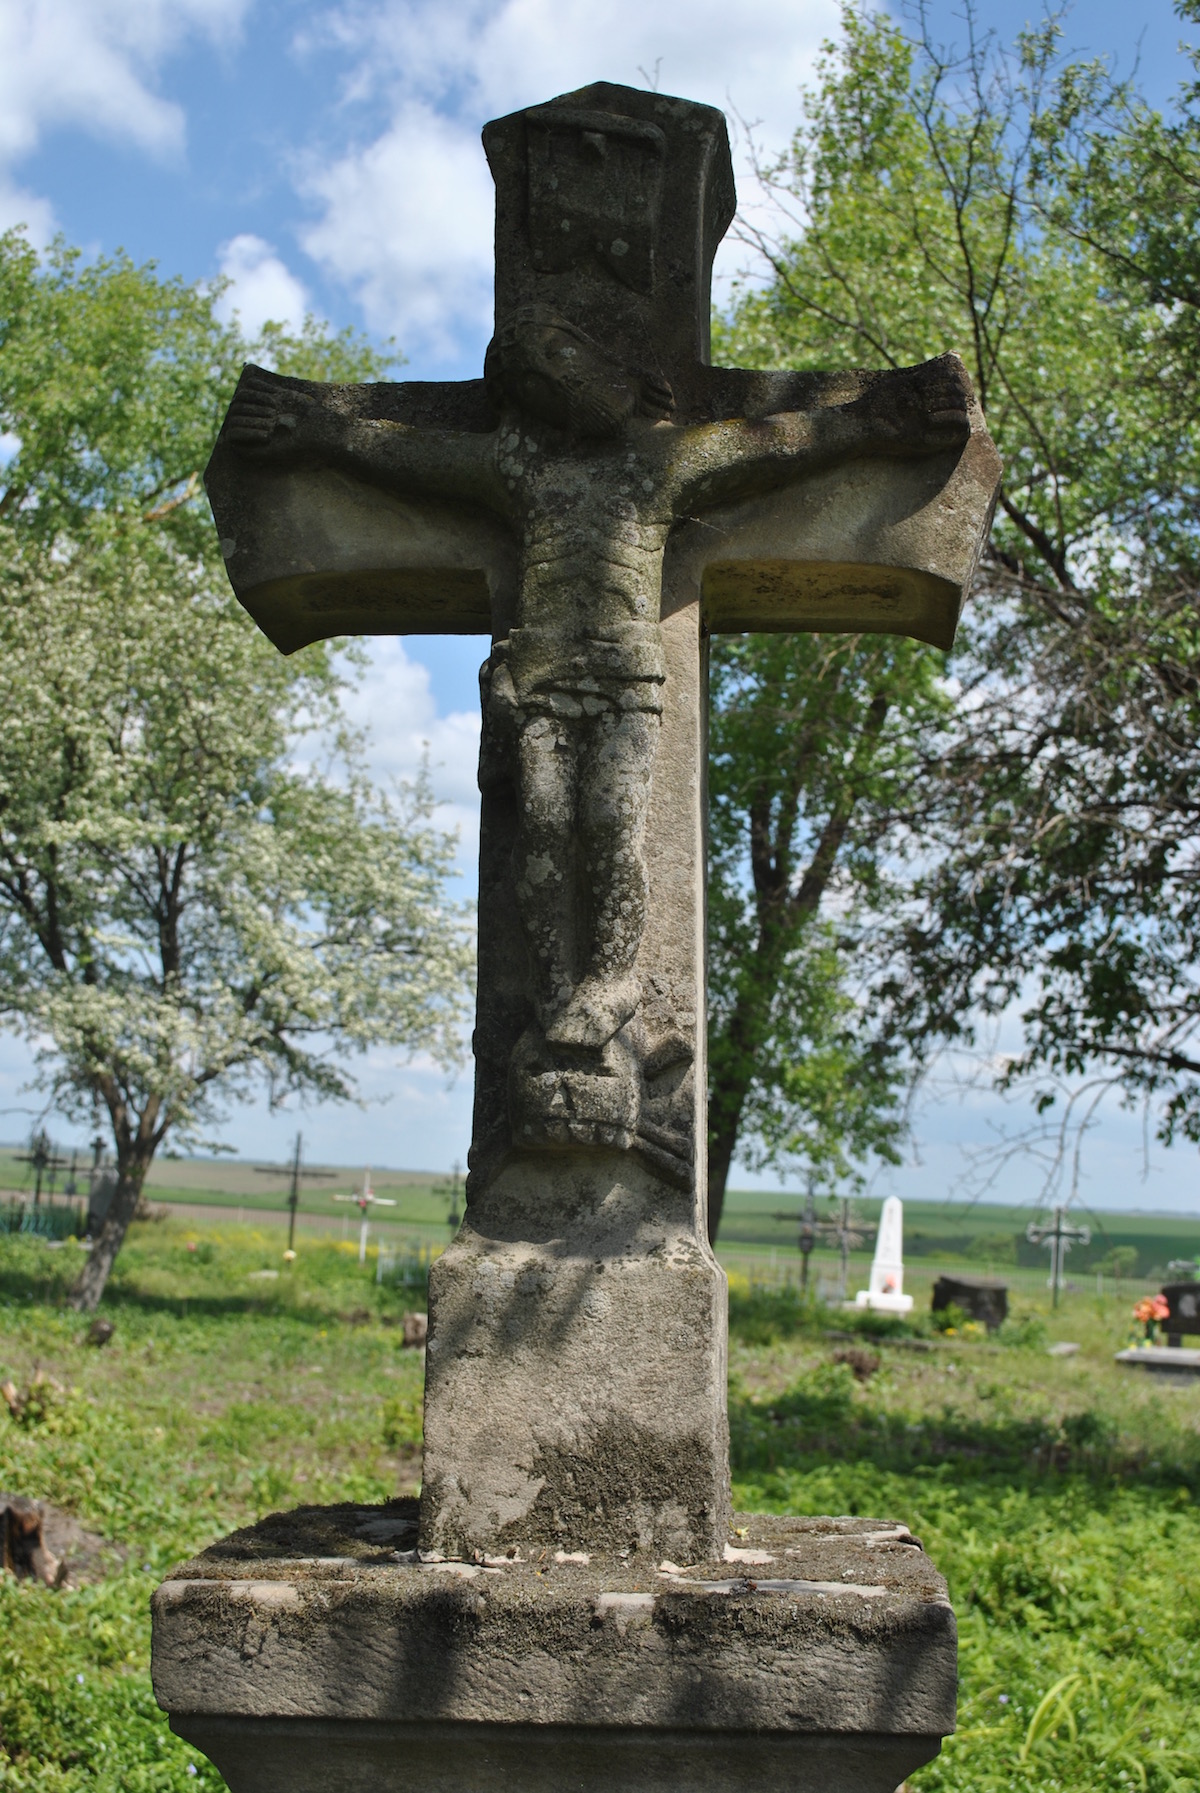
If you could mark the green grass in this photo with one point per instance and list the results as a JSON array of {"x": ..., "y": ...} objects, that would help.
[
  {"x": 420, "y": 1199},
  {"x": 1061, "y": 1496},
  {"x": 219, "y": 1399}
]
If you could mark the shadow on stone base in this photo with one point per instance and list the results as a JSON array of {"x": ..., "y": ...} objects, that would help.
[
  {"x": 320, "y": 1652},
  {"x": 307, "y": 1755}
]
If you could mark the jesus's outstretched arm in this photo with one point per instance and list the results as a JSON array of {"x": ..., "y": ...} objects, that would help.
[
  {"x": 914, "y": 411},
  {"x": 274, "y": 419}
]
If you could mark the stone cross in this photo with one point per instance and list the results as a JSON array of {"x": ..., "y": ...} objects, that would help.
[{"x": 598, "y": 503}]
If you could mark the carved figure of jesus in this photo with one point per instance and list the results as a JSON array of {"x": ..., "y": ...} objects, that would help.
[{"x": 590, "y": 470}]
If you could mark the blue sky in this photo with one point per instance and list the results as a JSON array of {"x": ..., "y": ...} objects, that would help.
[{"x": 325, "y": 157}]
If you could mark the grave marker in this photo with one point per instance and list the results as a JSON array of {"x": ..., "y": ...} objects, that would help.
[
  {"x": 1059, "y": 1235},
  {"x": 977, "y": 1297},
  {"x": 598, "y": 503},
  {"x": 886, "y": 1292}
]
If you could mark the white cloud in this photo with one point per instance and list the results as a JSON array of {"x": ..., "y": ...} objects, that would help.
[
  {"x": 19, "y": 207},
  {"x": 89, "y": 63},
  {"x": 406, "y": 220},
  {"x": 263, "y": 289},
  {"x": 480, "y": 57}
]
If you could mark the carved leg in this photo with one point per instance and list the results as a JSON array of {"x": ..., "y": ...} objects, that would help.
[
  {"x": 542, "y": 857},
  {"x": 614, "y": 795}
]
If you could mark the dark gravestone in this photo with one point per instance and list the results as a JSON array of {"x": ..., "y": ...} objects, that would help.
[
  {"x": 100, "y": 1201},
  {"x": 1183, "y": 1304},
  {"x": 986, "y": 1302}
]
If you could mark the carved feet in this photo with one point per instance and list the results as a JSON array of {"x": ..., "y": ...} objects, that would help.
[
  {"x": 584, "y": 1083},
  {"x": 918, "y": 410},
  {"x": 267, "y": 414},
  {"x": 598, "y": 1009},
  {"x": 583, "y": 1099}
]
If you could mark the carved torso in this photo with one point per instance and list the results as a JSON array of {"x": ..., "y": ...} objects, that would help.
[{"x": 592, "y": 528}]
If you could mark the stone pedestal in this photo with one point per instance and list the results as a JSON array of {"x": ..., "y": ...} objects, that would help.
[{"x": 318, "y": 1653}]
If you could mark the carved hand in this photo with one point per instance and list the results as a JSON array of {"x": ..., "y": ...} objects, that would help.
[
  {"x": 918, "y": 410},
  {"x": 266, "y": 414}
]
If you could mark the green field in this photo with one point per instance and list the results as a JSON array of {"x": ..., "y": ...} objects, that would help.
[
  {"x": 421, "y": 1199},
  {"x": 988, "y": 1239},
  {"x": 1060, "y": 1495},
  {"x": 758, "y": 1230}
]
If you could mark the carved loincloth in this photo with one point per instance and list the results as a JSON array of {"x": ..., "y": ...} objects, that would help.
[{"x": 620, "y": 666}]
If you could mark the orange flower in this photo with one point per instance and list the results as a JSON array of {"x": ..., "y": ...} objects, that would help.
[{"x": 1152, "y": 1307}]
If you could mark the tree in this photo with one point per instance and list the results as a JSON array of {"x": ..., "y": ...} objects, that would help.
[
  {"x": 1045, "y": 853},
  {"x": 1122, "y": 179},
  {"x": 811, "y": 755},
  {"x": 1067, "y": 878},
  {"x": 199, "y": 888},
  {"x": 820, "y": 744}
]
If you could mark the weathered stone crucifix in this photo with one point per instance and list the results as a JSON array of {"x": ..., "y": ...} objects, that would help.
[{"x": 598, "y": 503}]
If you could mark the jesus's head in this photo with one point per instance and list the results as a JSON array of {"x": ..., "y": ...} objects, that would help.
[{"x": 548, "y": 368}]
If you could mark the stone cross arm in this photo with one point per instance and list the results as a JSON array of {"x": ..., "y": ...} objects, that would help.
[
  {"x": 825, "y": 502},
  {"x": 313, "y": 551}
]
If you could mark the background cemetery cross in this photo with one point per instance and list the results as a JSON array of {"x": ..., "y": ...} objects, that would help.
[
  {"x": 598, "y": 503},
  {"x": 1059, "y": 1235},
  {"x": 296, "y": 1172}
]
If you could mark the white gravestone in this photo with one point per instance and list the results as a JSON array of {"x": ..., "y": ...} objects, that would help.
[{"x": 886, "y": 1293}]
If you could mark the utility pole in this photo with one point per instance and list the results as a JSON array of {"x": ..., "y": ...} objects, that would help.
[
  {"x": 453, "y": 1219},
  {"x": 1059, "y": 1236},
  {"x": 294, "y": 1194},
  {"x": 843, "y": 1239},
  {"x": 808, "y": 1232}
]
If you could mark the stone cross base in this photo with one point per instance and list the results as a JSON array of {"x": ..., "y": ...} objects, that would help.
[
  {"x": 312, "y": 1755},
  {"x": 317, "y": 1653},
  {"x": 576, "y": 1397}
]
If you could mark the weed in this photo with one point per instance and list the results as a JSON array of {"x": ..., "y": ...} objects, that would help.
[
  {"x": 761, "y": 1315},
  {"x": 1026, "y": 1332},
  {"x": 861, "y": 1363}
]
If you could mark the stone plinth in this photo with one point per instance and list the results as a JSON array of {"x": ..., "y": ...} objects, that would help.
[
  {"x": 317, "y": 1652},
  {"x": 1167, "y": 1360}
]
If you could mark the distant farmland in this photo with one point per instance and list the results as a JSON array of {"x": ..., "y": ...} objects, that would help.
[
  {"x": 758, "y": 1226},
  {"x": 989, "y": 1238},
  {"x": 422, "y": 1197}
]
